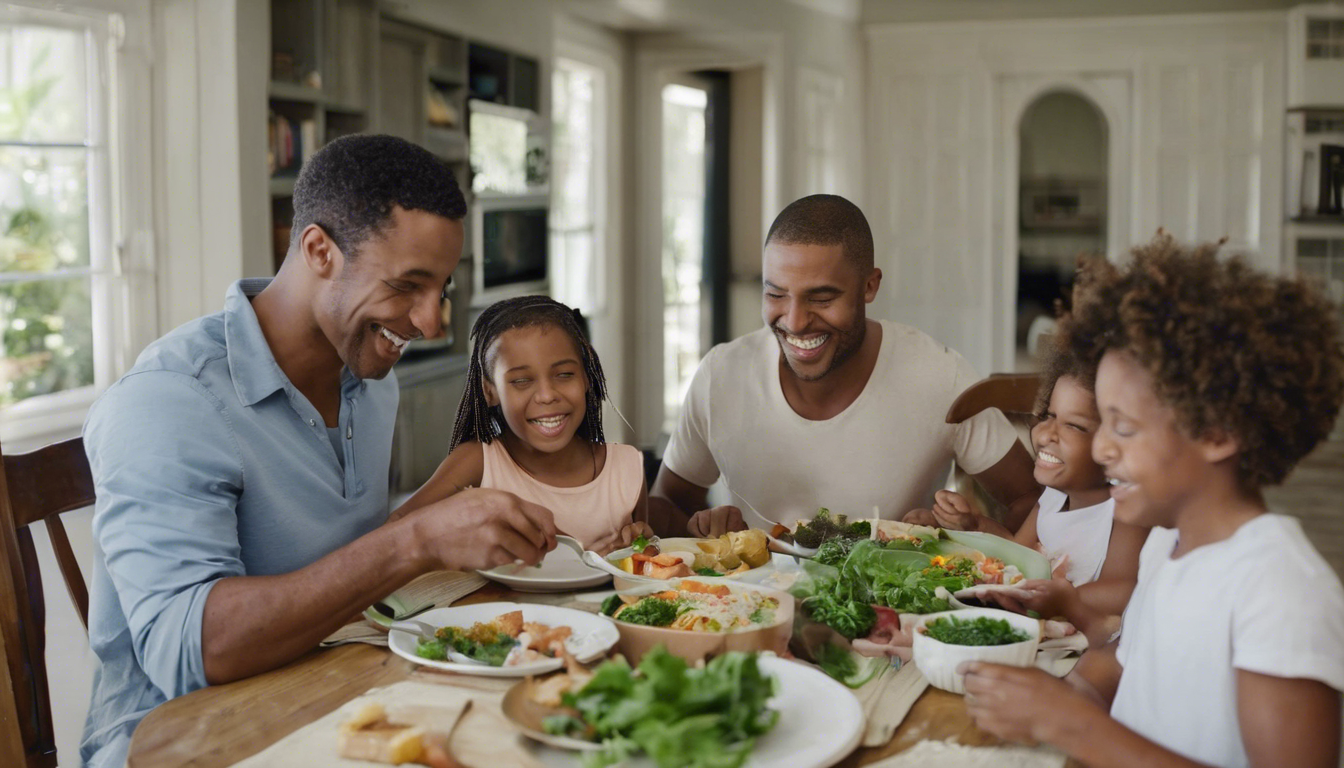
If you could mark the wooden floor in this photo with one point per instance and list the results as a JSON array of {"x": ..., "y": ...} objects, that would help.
[{"x": 1314, "y": 494}]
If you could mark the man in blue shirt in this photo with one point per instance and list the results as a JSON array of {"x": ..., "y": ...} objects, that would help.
[{"x": 241, "y": 466}]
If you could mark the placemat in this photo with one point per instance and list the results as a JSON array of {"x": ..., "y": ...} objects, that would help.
[
  {"x": 480, "y": 737},
  {"x": 432, "y": 590},
  {"x": 945, "y": 754}
]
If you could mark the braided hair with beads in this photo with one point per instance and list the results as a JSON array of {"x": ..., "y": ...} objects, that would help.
[{"x": 475, "y": 417}]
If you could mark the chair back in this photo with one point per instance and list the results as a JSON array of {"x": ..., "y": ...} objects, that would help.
[
  {"x": 35, "y": 486},
  {"x": 1015, "y": 395}
]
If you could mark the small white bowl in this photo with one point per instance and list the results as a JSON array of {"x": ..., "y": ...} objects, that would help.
[{"x": 939, "y": 661}]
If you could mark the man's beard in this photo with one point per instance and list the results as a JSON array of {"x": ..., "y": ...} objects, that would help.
[{"x": 847, "y": 343}]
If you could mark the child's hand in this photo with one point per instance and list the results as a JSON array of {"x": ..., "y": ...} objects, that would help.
[
  {"x": 1023, "y": 705},
  {"x": 952, "y": 511},
  {"x": 920, "y": 517},
  {"x": 1047, "y": 597},
  {"x": 623, "y": 538}
]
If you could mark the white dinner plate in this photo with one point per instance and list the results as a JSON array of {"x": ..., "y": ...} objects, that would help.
[
  {"x": 561, "y": 571},
  {"x": 593, "y": 635},
  {"x": 802, "y": 694}
]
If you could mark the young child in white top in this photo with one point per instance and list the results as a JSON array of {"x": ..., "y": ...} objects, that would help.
[
  {"x": 1096, "y": 559},
  {"x": 1214, "y": 381}
]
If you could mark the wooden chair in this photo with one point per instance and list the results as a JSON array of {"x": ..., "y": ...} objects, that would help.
[
  {"x": 1015, "y": 395},
  {"x": 35, "y": 486}
]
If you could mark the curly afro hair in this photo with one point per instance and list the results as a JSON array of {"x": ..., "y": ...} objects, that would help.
[
  {"x": 350, "y": 186},
  {"x": 1230, "y": 349},
  {"x": 1062, "y": 360}
]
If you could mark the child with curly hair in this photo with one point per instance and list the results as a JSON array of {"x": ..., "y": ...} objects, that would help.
[
  {"x": 1214, "y": 380},
  {"x": 1096, "y": 559},
  {"x": 530, "y": 423}
]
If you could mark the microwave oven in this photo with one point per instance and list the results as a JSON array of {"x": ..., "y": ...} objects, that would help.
[{"x": 510, "y": 240}]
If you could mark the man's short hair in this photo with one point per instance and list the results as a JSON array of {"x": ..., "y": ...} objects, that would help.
[
  {"x": 826, "y": 220},
  {"x": 350, "y": 186}
]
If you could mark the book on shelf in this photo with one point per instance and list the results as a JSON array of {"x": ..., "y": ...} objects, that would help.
[{"x": 289, "y": 144}]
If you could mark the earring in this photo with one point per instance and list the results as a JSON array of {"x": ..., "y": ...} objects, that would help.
[{"x": 496, "y": 420}]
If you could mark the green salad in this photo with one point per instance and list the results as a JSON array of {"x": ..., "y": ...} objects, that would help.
[
  {"x": 482, "y": 642},
  {"x": 680, "y": 716},
  {"x": 981, "y": 630}
]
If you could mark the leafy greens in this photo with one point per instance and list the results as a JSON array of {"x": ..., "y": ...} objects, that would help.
[{"x": 681, "y": 717}]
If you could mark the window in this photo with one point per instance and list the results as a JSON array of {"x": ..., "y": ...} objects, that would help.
[
  {"x": 1325, "y": 38},
  {"x": 577, "y": 110},
  {"x": 66, "y": 315},
  {"x": 684, "y": 313}
]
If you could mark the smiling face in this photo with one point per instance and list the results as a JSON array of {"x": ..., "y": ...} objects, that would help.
[
  {"x": 1155, "y": 469},
  {"x": 390, "y": 293},
  {"x": 535, "y": 375},
  {"x": 1063, "y": 440},
  {"x": 814, "y": 302}
]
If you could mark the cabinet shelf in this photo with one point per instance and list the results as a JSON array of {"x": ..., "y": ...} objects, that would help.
[
  {"x": 282, "y": 186},
  {"x": 282, "y": 91},
  {"x": 1329, "y": 221}
]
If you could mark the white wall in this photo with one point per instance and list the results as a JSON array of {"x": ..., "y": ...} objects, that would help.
[{"x": 1196, "y": 105}]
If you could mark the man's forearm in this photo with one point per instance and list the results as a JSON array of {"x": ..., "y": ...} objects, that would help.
[
  {"x": 665, "y": 518},
  {"x": 253, "y": 624}
]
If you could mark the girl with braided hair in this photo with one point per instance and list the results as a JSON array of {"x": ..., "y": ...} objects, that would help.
[{"x": 530, "y": 423}]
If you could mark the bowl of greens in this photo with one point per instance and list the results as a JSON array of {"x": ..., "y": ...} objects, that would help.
[
  {"x": 942, "y": 641},
  {"x": 698, "y": 619}
]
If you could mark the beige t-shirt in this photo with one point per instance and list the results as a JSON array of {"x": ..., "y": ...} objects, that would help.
[{"x": 890, "y": 448}]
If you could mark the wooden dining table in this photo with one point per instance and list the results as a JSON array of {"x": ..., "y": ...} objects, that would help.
[{"x": 222, "y": 724}]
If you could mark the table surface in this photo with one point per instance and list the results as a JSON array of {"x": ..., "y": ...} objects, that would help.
[{"x": 220, "y": 725}]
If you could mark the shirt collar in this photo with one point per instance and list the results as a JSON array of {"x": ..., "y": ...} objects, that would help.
[{"x": 255, "y": 373}]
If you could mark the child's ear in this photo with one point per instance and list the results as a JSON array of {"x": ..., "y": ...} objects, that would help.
[
  {"x": 491, "y": 396},
  {"x": 1218, "y": 445}
]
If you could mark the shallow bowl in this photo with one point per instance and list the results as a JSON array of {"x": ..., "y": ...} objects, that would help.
[{"x": 637, "y": 639}]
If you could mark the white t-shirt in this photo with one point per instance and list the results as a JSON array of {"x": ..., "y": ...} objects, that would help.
[
  {"x": 1262, "y": 600},
  {"x": 890, "y": 448},
  {"x": 1082, "y": 534}
]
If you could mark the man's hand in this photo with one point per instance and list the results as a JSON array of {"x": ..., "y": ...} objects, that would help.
[
  {"x": 623, "y": 538},
  {"x": 480, "y": 528},
  {"x": 1023, "y": 705},
  {"x": 714, "y": 522},
  {"x": 953, "y": 511}
]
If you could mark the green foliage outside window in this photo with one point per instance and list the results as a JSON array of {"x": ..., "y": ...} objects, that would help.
[{"x": 46, "y": 327}]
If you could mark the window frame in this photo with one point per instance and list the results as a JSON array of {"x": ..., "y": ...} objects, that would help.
[
  {"x": 597, "y": 178},
  {"x": 121, "y": 269}
]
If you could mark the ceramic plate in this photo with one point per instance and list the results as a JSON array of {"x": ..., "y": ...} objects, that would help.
[
  {"x": 560, "y": 571},
  {"x": 593, "y": 635},
  {"x": 803, "y": 692}
]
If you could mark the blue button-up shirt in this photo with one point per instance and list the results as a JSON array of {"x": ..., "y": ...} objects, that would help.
[{"x": 208, "y": 463}]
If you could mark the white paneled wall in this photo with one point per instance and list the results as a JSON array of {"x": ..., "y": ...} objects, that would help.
[{"x": 1193, "y": 105}]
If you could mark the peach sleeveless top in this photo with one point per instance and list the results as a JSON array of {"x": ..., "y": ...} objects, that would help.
[{"x": 591, "y": 512}]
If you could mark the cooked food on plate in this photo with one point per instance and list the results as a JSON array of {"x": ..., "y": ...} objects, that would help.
[
  {"x": 505, "y": 641},
  {"x": 823, "y": 527},
  {"x": 368, "y": 735},
  {"x": 695, "y": 607},
  {"x": 678, "y": 715},
  {"x": 730, "y": 553}
]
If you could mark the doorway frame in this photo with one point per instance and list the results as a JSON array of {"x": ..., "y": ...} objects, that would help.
[
  {"x": 659, "y": 60},
  {"x": 1111, "y": 93}
]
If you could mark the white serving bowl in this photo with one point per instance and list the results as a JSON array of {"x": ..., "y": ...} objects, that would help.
[{"x": 939, "y": 661}]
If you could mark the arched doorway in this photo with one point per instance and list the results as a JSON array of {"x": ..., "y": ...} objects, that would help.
[{"x": 1062, "y": 208}]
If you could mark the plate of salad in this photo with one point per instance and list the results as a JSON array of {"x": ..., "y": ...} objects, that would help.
[
  {"x": 512, "y": 639},
  {"x": 740, "y": 709}
]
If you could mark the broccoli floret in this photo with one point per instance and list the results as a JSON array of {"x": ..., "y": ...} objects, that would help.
[
  {"x": 862, "y": 529},
  {"x": 826, "y": 526},
  {"x": 611, "y": 605}
]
